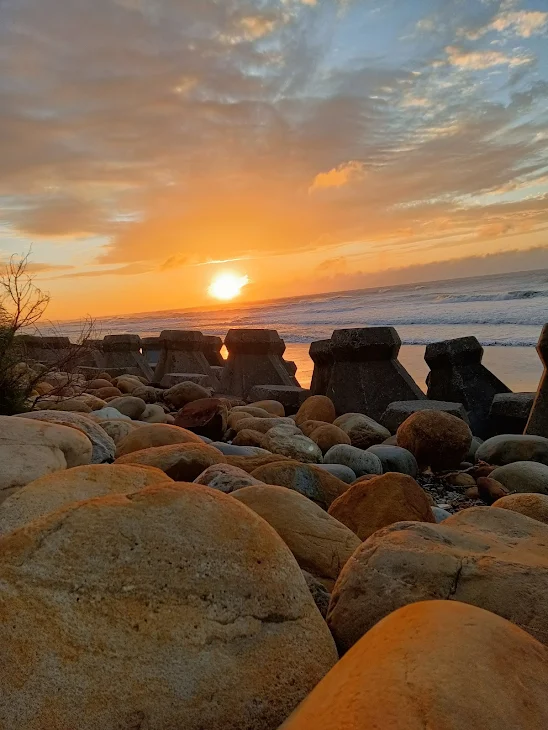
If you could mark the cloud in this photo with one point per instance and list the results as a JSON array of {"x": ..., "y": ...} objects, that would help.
[
  {"x": 230, "y": 130},
  {"x": 481, "y": 60},
  {"x": 520, "y": 23},
  {"x": 344, "y": 174}
]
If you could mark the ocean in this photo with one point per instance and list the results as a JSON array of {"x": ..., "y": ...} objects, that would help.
[{"x": 505, "y": 312}]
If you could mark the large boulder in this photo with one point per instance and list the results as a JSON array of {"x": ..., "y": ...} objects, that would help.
[
  {"x": 51, "y": 492},
  {"x": 327, "y": 436},
  {"x": 492, "y": 558},
  {"x": 381, "y": 501},
  {"x": 362, "y": 430},
  {"x": 435, "y": 439},
  {"x": 103, "y": 447},
  {"x": 31, "y": 448},
  {"x": 530, "y": 505},
  {"x": 307, "y": 479},
  {"x": 182, "y": 462},
  {"x": 435, "y": 665},
  {"x": 226, "y": 478},
  {"x": 321, "y": 545},
  {"x": 361, "y": 462},
  {"x": 523, "y": 476},
  {"x": 399, "y": 411},
  {"x": 508, "y": 448},
  {"x": 155, "y": 434},
  {"x": 175, "y": 607},
  {"x": 316, "y": 408}
]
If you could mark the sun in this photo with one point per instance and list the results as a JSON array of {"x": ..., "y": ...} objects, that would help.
[{"x": 227, "y": 286}]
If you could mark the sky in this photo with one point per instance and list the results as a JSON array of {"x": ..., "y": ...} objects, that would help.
[{"x": 147, "y": 146}]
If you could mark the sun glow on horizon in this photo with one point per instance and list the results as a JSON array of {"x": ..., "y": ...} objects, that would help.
[{"x": 227, "y": 286}]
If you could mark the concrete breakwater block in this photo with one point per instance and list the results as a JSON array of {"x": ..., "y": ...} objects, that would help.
[
  {"x": 366, "y": 375},
  {"x": 183, "y": 351},
  {"x": 399, "y": 411},
  {"x": 290, "y": 396},
  {"x": 151, "y": 348},
  {"x": 212, "y": 350},
  {"x": 510, "y": 411},
  {"x": 537, "y": 425},
  {"x": 457, "y": 375},
  {"x": 123, "y": 352},
  {"x": 254, "y": 358},
  {"x": 322, "y": 357}
]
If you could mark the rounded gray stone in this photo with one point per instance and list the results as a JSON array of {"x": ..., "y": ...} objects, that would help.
[
  {"x": 344, "y": 473},
  {"x": 361, "y": 462},
  {"x": 233, "y": 450},
  {"x": 394, "y": 458},
  {"x": 523, "y": 476},
  {"x": 508, "y": 448}
]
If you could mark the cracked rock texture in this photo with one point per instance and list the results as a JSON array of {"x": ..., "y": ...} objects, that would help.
[
  {"x": 320, "y": 543},
  {"x": 175, "y": 607},
  {"x": 435, "y": 665},
  {"x": 493, "y": 558}
]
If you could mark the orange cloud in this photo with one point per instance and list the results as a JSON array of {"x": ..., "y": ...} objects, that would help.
[
  {"x": 481, "y": 60},
  {"x": 339, "y": 176}
]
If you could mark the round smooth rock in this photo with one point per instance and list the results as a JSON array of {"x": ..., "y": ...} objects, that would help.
[
  {"x": 534, "y": 506},
  {"x": 441, "y": 665},
  {"x": 436, "y": 439},
  {"x": 233, "y": 450},
  {"x": 307, "y": 479},
  {"x": 30, "y": 449},
  {"x": 103, "y": 447},
  {"x": 523, "y": 476},
  {"x": 394, "y": 458},
  {"x": 273, "y": 407},
  {"x": 508, "y": 448},
  {"x": 362, "y": 430},
  {"x": 294, "y": 446},
  {"x": 261, "y": 424},
  {"x": 207, "y": 417},
  {"x": 183, "y": 393},
  {"x": 182, "y": 462},
  {"x": 250, "y": 463},
  {"x": 381, "y": 501},
  {"x": 118, "y": 430},
  {"x": 440, "y": 515},
  {"x": 110, "y": 392},
  {"x": 109, "y": 414},
  {"x": 361, "y": 462},
  {"x": 188, "y": 593},
  {"x": 155, "y": 434},
  {"x": 54, "y": 491},
  {"x": 329, "y": 435},
  {"x": 129, "y": 406},
  {"x": 344, "y": 473},
  {"x": 153, "y": 413},
  {"x": 247, "y": 437},
  {"x": 321, "y": 545},
  {"x": 226, "y": 478},
  {"x": 254, "y": 411},
  {"x": 316, "y": 408}
]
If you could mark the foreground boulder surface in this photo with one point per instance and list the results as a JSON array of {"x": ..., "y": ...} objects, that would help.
[
  {"x": 434, "y": 665},
  {"x": 492, "y": 558},
  {"x": 381, "y": 501},
  {"x": 30, "y": 449},
  {"x": 320, "y": 543},
  {"x": 155, "y": 434},
  {"x": 50, "y": 493},
  {"x": 202, "y": 620}
]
